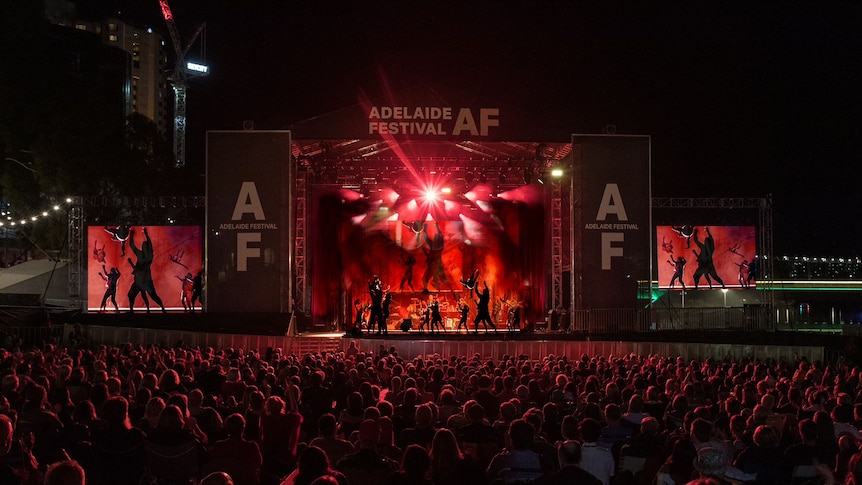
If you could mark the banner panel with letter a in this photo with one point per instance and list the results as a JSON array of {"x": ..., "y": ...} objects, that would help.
[
  {"x": 612, "y": 220},
  {"x": 247, "y": 180}
]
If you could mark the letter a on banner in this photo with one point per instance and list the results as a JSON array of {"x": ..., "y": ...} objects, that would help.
[{"x": 248, "y": 202}]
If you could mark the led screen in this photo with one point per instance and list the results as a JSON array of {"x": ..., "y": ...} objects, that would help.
[
  {"x": 706, "y": 257},
  {"x": 120, "y": 253}
]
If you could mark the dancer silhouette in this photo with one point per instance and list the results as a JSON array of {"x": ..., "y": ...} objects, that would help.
[
  {"x": 483, "y": 313},
  {"x": 141, "y": 268},
  {"x": 111, "y": 279}
]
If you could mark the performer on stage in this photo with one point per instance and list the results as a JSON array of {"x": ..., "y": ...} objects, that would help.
[
  {"x": 483, "y": 313},
  {"x": 436, "y": 318},
  {"x": 464, "y": 310},
  {"x": 111, "y": 279},
  {"x": 375, "y": 291},
  {"x": 358, "y": 319},
  {"x": 424, "y": 316},
  {"x": 143, "y": 283}
]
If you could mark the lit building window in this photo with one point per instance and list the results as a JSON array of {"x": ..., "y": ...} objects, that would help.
[{"x": 112, "y": 37}]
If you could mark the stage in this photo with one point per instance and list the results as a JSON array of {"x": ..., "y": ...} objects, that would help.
[{"x": 262, "y": 331}]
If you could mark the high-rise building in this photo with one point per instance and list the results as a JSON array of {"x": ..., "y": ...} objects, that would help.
[{"x": 147, "y": 86}]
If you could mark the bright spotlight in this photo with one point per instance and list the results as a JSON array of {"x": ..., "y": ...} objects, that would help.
[
  {"x": 430, "y": 196},
  {"x": 446, "y": 190},
  {"x": 557, "y": 172}
]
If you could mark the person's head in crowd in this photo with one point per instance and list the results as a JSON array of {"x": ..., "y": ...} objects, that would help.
[
  {"x": 385, "y": 408},
  {"x": 274, "y": 405},
  {"x": 150, "y": 381},
  {"x": 766, "y": 436},
  {"x": 115, "y": 413},
  {"x": 416, "y": 462},
  {"x": 650, "y": 426},
  {"x": 424, "y": 416},
  {"x": 312, "y": 464},
  {"x": 613, "y": 413},
  {"x": 216, "y": 478},
  {"x": 474, "y": 411},
  {"x": 369, "y": 434},
  {"x": 171, "y": 419},
  {"x": 371, "y": 412},
  {"x": 521, "y": 434},
  {"x": 701, "y": 431},
  {"x": 569, "y": 453},
  {"x": 444, "y": 447},
  {"x": 67, "y": 472},
  {"x": 327, "y": 426},
  {"x": 569, "y": 428},
  {"x": 234, "y": 425},
  {"x": 590, "y": 430}
]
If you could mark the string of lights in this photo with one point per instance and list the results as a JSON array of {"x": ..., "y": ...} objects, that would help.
[{"x": 12, "y": 221}]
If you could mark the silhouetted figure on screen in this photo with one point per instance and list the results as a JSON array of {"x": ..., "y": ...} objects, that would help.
[
  {"x": 99, "y": 252},
  {"x": 409, "y": 263},
  {"x": 679, "y": 268},
  {"x": 197, "y": 290},
  {"x": 470, "y": 282},
  {"x": 483, "y": 312},
  {"x": 111, "y": 279},
  {"x": 120, "y": 234},
  {"x": 186, "y": 291},
  {"x": 436, "y": 317},
  {"x": 667, "y": 245},
  {"x": 684, "y": 232},
  {"x": 744, "y": 268},
  {"x": 464, "y": 311},
  {"x": 143, "y": 283},
  {"x": 705, "y": 264},
  {"x": 434, "y": 269},
  {"x": 752, "y": 272},
  {"x": 178, "y": 258}
]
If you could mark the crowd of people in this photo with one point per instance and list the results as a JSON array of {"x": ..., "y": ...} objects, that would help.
[{"x": 135, "y": 414}]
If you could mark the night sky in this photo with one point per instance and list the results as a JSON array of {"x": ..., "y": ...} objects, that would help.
[{"x": 741, "y": 99}]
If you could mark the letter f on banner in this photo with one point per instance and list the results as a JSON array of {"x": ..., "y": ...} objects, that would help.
[
  {"x": 248, "y": 202},
  {"x": 609, "y": 250},
  {"x": 243, "y": 251}
]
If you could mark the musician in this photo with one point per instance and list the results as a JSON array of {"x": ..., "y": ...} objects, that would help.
[{"x": 436, "y": 317}]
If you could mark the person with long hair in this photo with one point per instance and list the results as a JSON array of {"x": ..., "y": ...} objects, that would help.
[
  {"x": 448, "y": 464},
  {"x": 279, "y": 433},
  {"x": 117, "y": 447}
]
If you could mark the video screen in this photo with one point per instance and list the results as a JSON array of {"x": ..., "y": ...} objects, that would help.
[
  {"x": 420, "y": 248},
  {"x": 156, "y": 265},
  {"x": 703, "y": 257}
]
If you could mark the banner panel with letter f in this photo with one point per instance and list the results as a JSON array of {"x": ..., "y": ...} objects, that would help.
[
  {"x": 247, "y": 180},
  {"x": 612, "y": 219}
]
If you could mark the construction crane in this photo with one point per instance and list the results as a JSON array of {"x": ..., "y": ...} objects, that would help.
[{"x": 182, "y": 71}]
